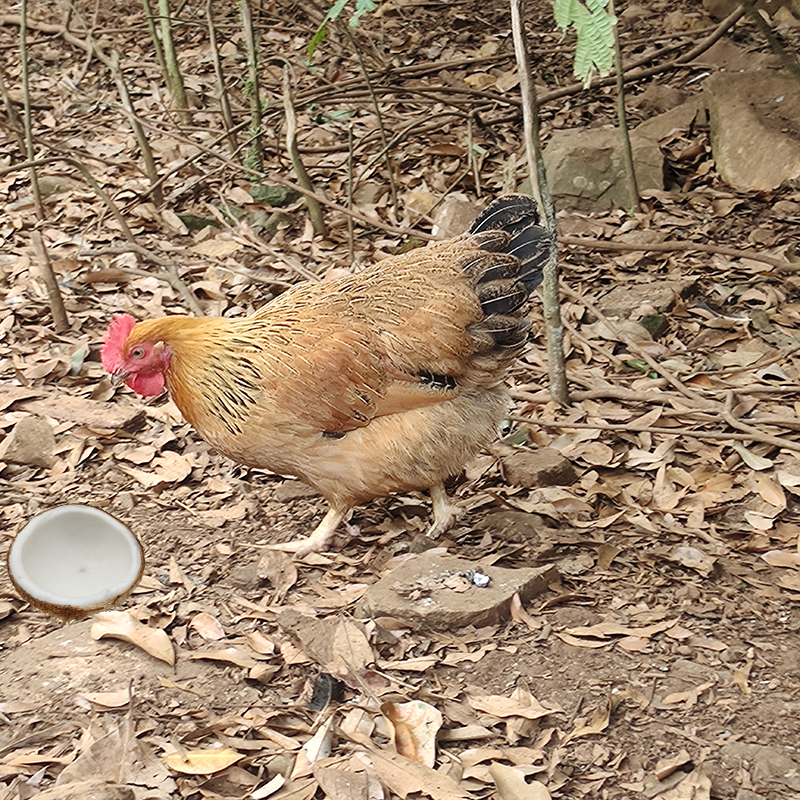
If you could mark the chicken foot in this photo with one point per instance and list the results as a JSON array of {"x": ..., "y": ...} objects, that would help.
[
  {"x": 445, "y": 513},
  {"x": 319, "y": 538}
]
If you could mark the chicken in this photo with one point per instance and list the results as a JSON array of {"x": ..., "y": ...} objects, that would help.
[{"x": 387, "y": 380}]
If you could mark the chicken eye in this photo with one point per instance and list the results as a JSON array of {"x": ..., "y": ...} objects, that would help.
[{"x": 137, "y": 352}]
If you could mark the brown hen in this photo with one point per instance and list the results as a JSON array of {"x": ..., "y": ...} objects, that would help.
[{"x": 383, "y": 381}]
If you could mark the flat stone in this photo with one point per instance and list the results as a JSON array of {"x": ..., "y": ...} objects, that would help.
[
  {"x": 725, "y": 55},
  {"x": 429, "y": 590},
  {"x": 30, "y": 442},
  {"x": 634, "y": 300},
  {"x": 543, "y": 467},
  {"x": 755, "y": 134},
  {"x": 454, "y": 216},
  {"x": 679, "y": 118},
  {"x": 657, "y": 98},
  {"x": 586, "y": 172},
  {"x": 768, "y": 765}
]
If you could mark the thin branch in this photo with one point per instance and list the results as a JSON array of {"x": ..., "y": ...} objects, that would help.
[
  {"x": 622, "y": 118},
  {"x": 255, "y": 155},
  {"x": 753, "y": 436},
  {"x": 669, "y": 247},
  {"x": 151, "y": 26},
  {"x": 173, "y": 75},
  {"x": 303, "y": 178},
  {"x": 224, "y": 103},
  {"x": 754, "y": 433},
  {"x": 26, "y": 94},
  {"x": 544, "y": 200},
  {"x": 57, "y": 310},
  {"x": 640, "y": 352}
]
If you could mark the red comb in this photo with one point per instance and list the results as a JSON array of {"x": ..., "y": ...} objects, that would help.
[{"x": 116, "y": 336}]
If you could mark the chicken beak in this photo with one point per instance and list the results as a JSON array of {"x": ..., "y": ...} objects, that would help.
[{"x": 118, "y": 378}]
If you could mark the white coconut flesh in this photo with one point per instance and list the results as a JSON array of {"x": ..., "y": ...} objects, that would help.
[{"x": 75, "y": 556}]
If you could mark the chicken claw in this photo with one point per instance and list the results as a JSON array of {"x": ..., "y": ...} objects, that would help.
[
  {"x": 445, "y": 513},
  {"x": 319, "y": 538}
]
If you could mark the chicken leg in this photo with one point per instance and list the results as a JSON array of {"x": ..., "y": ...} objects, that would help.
[
  {"x": 319, "y": 538},
  {"x": 445, "y": 513}
]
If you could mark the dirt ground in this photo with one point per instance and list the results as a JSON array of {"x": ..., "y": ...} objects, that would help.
[{"x": 664, "y": 661}]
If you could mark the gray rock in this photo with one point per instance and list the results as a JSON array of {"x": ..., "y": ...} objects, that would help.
[
  {"x": 30, "y": 442},
  {"x": 543, "y": 467},
  {"x": 641, "y": 299},
  {"x": 767, "y": 765},
  {"x": 586, "y": 172},
  {"x": 454, "y": 216},
  {"x": 726, "y": 56},
  {"x": 657, "y": 98},
  {"x": 428, "y": 590},
  {"x": 678, "y": 118},
  {"x": 754, "y": 133}
]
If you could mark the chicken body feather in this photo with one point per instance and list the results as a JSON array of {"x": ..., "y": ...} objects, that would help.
[{"x": 386, "y": 380}]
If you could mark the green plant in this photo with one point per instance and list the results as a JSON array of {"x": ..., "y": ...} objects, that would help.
[
  {"x": 594, "y": 28},
  {"x": 361, "y": 8}
]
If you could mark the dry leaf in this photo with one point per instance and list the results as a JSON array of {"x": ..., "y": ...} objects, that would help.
[
  {"x": 601, "y": 716},
  {"x": 790, "y": 580},
  {"x": 230, "y": 655},
  {"x": 751, "y": 459},
  {"x": 456, "y": 657},
  {"x": 690, "y": 697},
  {"x": 317, "y": 747},
  {"x": 268, "y": 788},
  {"x": 419, "y": 664},
  {"x": 176, "y": 575},
  {"x": 413, "y": 727},
  {"x": 119, "y": 757},
  {"x": 342, "y": 784},
  {"x": 216, "y": 248},
  {"x": 607, "y": 629},
  {"x": 520, "y": 615},
  {"x": 260, "y": 643},
  {"x": 511, "y": 784},
  {"x": 666, "y": 766},
  {"x": 121, "y": 625},
  {"x": 695, "y": 786},
  {"x": 207, "y": 626},
  {"x": 201, "y": 762},
  {"x": 109, "y": 699},
  {"x": 575, "y": 641},
  {"x": 782, "y": 558},
  {"x": 405, "y": 777},
  {"x": 741, "y": 676},
  {"x": 770, "y": 491},
  {"x": 499, "y": 706},
  {"x": 351, "y": 650},
  {"x": 693, "y": 558},
  {"x": 760, "y": 522},
  {"x": 279, "y": 569}
]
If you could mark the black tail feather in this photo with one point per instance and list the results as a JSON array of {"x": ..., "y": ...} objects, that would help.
[{"x": 526, "y": 239}]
